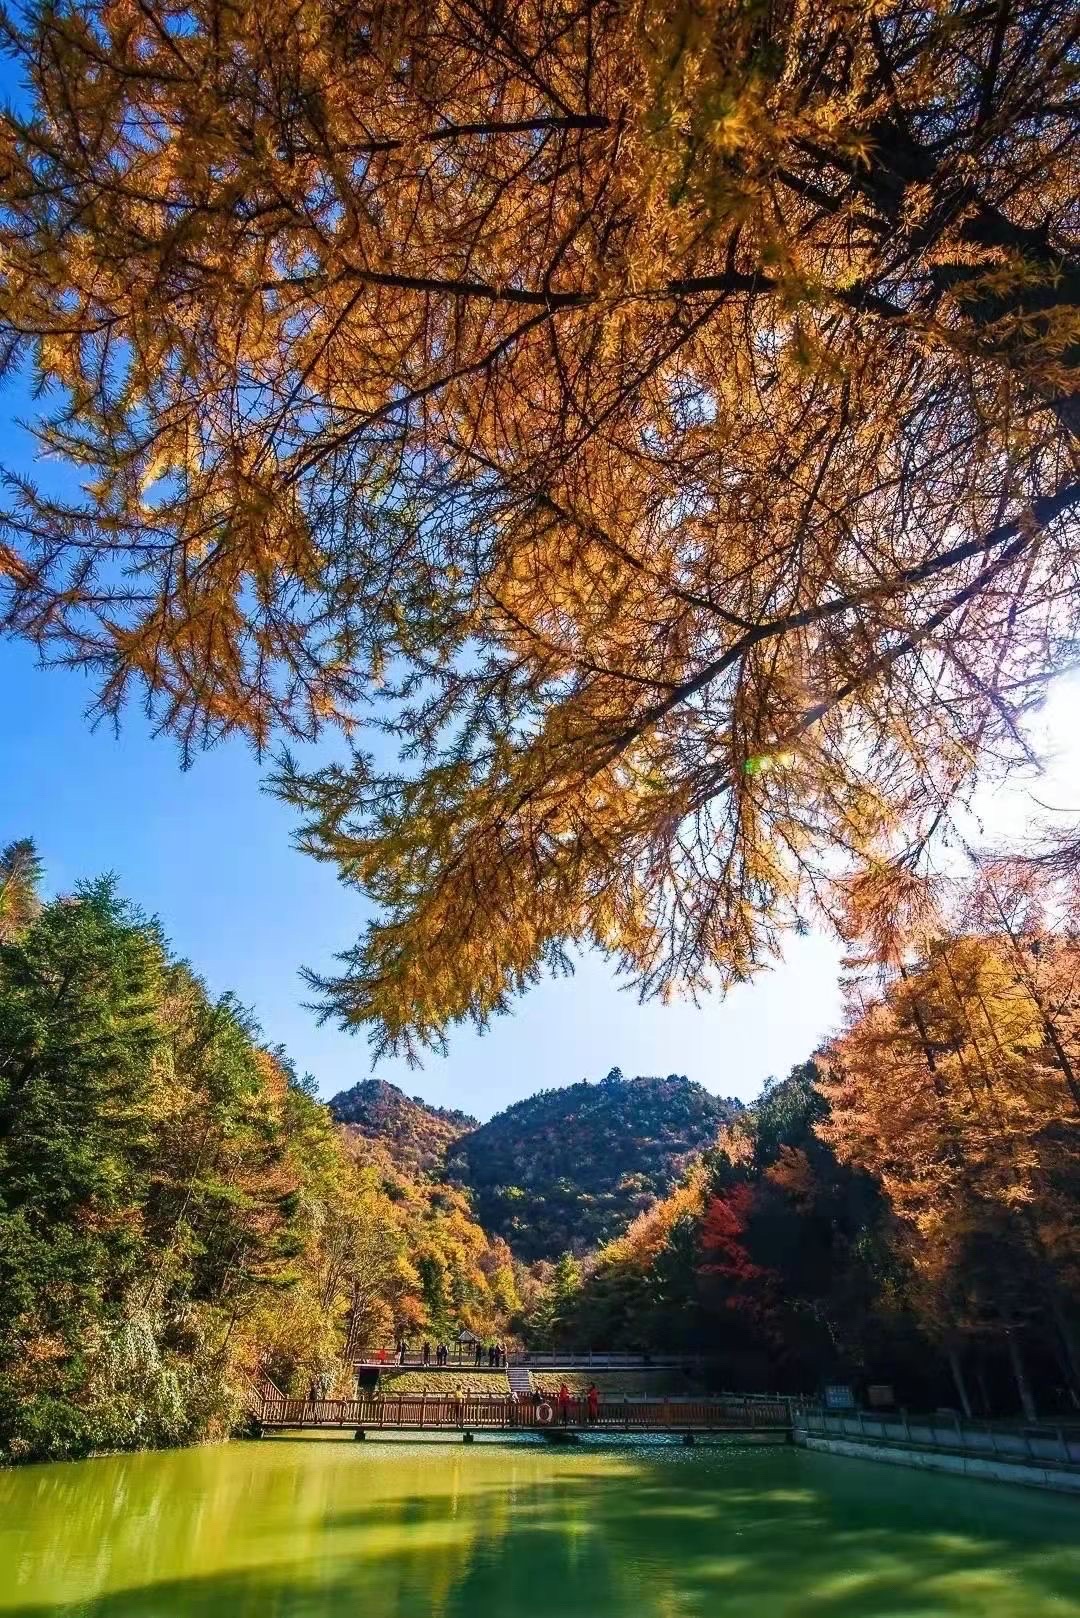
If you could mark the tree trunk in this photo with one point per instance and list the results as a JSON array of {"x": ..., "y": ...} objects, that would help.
[
  {"x": 957, "y": 1370},
  {"x": 1023, "y": 1386},
  {"x": 1068, "y": 1354}
]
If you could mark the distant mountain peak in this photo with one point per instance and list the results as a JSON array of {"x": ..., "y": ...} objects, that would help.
[
  {"x": 570, "y": 1167},
  {"x": 415, "y": 1134},
  {"x": 370, "y": 1096}
]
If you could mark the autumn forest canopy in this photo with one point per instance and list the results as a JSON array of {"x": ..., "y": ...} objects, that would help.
[
  {"x": 657, "y": 421},
  {"x": 180, "y": 1216}
]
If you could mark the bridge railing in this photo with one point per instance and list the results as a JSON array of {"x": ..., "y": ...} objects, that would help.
[
  {"x": 532, "y": 1359},
  {"x": 601, "y": 1360},
  {"x": 994, "y": 1440},
  {"x": 578, "y": 1358},
  {"x": 427, "y": 1410}
]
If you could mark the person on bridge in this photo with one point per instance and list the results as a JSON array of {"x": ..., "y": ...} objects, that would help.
[
  {"x": 564, "y": 1403},
  {"x": 479, "y": 1355},
  {"x": 403, "y": 1352},
  {"x": 592, "y": 1398},
  {"x": 426, "y": 1353}
]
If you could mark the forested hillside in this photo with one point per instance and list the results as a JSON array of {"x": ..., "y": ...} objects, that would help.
[
  {"x": 176, "y": 1209},
  {"x": 417, "y": 1136},
  {"x": 567, "y": 1169},
  {"x": 770, "y": 1255}
]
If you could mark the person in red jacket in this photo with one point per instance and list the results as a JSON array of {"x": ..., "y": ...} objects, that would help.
[
  {"x": 592, "y": 1396},
  {"x": 564, "y": 1403}
]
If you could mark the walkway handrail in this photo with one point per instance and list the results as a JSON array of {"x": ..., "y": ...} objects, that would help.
[
  {"x": 946, "y": 1432},
  {"x": 436, "y": 1410},
  {"x": 385, "y": 1355}
]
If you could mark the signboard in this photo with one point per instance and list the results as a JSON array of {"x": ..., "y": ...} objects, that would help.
[
  {"x": 838, "y": 1396},
  {"x": 879, "y": 1395}
]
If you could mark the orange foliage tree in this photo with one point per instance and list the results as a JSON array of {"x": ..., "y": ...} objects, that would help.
[
  {"x": 662, "y": 415},
  {"x": 951, "y": 1091}
]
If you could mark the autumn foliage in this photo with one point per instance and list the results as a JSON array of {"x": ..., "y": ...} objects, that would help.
[
  {"x": 904, "y": 1208},
  {"x": 660, "y": 417},
  {"x": 956, "y": 1090},
  {"x": 723, "y": 1245},
  {"x": 178, "y": 1213}
]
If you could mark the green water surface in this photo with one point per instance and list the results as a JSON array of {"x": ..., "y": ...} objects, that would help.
[{"x": 401, "y": 1529}]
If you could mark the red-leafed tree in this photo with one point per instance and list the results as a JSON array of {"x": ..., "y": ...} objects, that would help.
[{"x": 727, "y": 1268}]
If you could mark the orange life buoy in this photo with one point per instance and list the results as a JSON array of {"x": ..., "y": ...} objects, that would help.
[{"x": 544, "y": 1413}]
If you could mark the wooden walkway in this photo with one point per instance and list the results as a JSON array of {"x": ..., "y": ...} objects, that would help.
[
  {"x": 428, "y": 1412},
  {"x": 462, "y": 1358}
]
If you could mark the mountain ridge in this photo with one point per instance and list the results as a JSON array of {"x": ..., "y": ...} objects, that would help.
[
  {"x": 568, "y": 1168},
  {"x": 415, "y": 1134},
  {"x": 564, "y": 1169}
]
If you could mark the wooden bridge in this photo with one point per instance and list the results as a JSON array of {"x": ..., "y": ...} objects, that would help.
[
  {"x": 430, "y": 1412},
  {"x": 461, "y": 1357}
]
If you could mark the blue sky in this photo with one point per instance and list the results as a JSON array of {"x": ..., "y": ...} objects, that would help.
[{"x": 209, "y": 852}]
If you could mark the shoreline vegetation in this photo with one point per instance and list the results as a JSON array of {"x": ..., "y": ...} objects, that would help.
[{"x": 180, "y": 1214}]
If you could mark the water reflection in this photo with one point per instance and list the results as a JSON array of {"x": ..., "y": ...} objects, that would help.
[{"x": 290, "y": 1528}]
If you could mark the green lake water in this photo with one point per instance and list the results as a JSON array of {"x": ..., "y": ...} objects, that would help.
[{"x": 400, "y": 1529}]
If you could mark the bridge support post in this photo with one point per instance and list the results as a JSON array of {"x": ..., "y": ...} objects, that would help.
[
  {"x": 688, "y": 1440},
  {"x": 466, "y": 1437},
  {"x": 359, "y": 1436}
]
